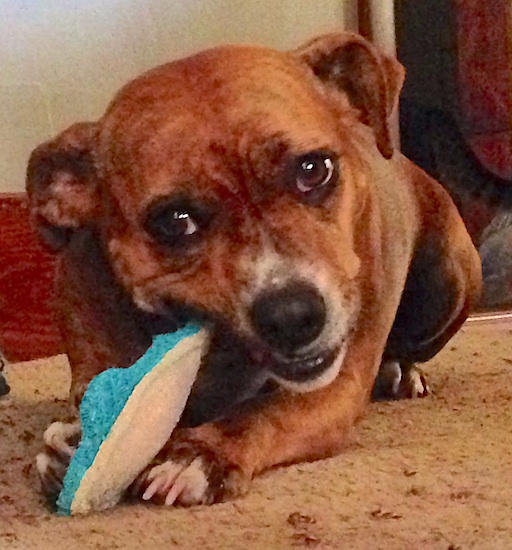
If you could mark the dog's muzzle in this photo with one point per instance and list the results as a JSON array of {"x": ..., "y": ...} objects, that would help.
[{"x": 288, "y": 319}]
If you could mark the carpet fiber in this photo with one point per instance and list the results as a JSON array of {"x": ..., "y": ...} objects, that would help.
[{"x": 432, "y": 473}]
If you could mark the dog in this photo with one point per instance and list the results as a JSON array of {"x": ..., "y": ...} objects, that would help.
[{"x": 258, "y": 192}]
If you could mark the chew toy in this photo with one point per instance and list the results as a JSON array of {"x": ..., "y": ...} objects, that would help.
[{"x": 127, "y": 416}]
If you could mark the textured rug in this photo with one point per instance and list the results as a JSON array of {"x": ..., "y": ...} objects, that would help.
[{"x": 431, "y": 473}]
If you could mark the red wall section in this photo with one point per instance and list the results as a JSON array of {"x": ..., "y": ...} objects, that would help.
[{"x": 27, "y": 326}]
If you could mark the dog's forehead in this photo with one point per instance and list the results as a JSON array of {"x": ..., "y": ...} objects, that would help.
[
  {"x": 212, "y": 91},
  {"x": 163, "y": 124},
  {"x": 221, "y": 73}
]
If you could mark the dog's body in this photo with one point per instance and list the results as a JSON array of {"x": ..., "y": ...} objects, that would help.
[{"x": 258, "y": 190}]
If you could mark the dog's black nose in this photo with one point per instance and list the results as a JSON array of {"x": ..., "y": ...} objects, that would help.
[{"x": 289, "y": 317}]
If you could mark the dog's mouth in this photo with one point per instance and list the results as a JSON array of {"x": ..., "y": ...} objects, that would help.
[
  {"x": 298, "y": 370},
  {"x": 303, "y": 369}
]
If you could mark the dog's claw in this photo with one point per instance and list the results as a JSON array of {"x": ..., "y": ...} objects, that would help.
[
  {"x": 190, "y": 474},
  {"x": 161, "y": 478},
  {"x": 177, "y": 482},
  {"x": 177, "y": 490}
]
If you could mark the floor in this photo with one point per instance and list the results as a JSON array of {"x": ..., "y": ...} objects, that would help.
[{"x": 426, "y": 474}]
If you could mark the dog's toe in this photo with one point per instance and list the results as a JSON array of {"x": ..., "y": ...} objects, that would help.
[
  {"x": 51, "y": 475},
  {"x": 175, "y": 483},
  {"x": 413, "y": 384},
  {"x": 399, "y": 381},
  {"x": 60, "y": 440},
  {"x": 189, "y": 476}
]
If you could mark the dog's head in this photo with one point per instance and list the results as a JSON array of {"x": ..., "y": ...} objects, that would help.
[{"x": 232, "y": 182}]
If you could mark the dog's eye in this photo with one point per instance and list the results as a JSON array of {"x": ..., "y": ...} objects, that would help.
[
  {"x": 314, "y": 171},
  {"x": 174, "y": 224}
]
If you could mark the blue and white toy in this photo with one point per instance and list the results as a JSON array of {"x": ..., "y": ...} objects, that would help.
[{"x": 127, "y": 416}]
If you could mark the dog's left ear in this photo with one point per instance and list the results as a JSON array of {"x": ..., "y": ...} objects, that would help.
[
  {"x": 371, "y": 80},
  {"x": 62, "y": 184}
]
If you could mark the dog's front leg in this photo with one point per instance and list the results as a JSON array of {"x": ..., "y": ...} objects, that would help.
[
  {"x": 101, "y": 329},
  {"x": 216, "y": 461}
]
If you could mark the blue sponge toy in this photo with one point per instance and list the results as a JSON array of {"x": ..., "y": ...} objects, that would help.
[{"x": 127, "y": 416}]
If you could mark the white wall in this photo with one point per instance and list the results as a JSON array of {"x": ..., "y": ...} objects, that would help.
[{"x": 62, "y": 60}]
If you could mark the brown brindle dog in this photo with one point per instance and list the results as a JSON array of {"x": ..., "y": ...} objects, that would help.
[{"x": 257, "y": 191}]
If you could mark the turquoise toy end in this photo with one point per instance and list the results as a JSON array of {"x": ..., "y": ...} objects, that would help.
[{"x": 103, "y": 402}]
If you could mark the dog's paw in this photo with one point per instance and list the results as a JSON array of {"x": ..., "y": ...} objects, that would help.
[
  {"x": 189, "y": 475},
  {"x": 396, "y": 381},
  {"x": 60, "y": 442},
  {"x": 413, "y": 384}
]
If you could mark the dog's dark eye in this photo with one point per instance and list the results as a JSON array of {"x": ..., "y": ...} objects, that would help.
[
  {"x": 315, "y": 176},
  {"x": 174, "y": 224},
  {"x": 314, "y": 171}
]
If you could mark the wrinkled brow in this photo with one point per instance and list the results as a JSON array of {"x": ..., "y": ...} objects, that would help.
[{"x": 254, "y": 155}]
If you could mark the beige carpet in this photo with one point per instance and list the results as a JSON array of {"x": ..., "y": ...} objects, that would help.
[{"x": 433, "y": 473}]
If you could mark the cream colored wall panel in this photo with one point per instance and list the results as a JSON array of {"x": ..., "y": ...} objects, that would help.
[
  {"x": 24, "y": 120},
  {"x": 196, "y": 24},
  {"x": 87, "y": 43},
  {"x": 62, "y": 60}
]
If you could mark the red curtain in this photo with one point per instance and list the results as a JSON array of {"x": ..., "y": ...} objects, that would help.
[{"x": 484, "y": 73}]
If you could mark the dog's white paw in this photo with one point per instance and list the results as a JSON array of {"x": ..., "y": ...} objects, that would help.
[
  {"x": 62, "y": 438},
  {"x": 413, "y": 384},
  {"x": 396, "y": 381},
  {"x": 60, "y": 443},
  {"x": 176, "y": 483},
  {"x": 187, "y": 473}
]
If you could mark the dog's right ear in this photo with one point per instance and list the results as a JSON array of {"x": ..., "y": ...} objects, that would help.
[
  {"x": 62, "y": 184},
  {"x": 371, "y": 80}
]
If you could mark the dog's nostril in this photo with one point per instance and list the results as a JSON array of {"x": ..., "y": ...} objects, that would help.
[{"x": 290, "y": 317}]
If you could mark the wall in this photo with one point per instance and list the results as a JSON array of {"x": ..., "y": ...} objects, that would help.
[{"x": 61, "y": 61}]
